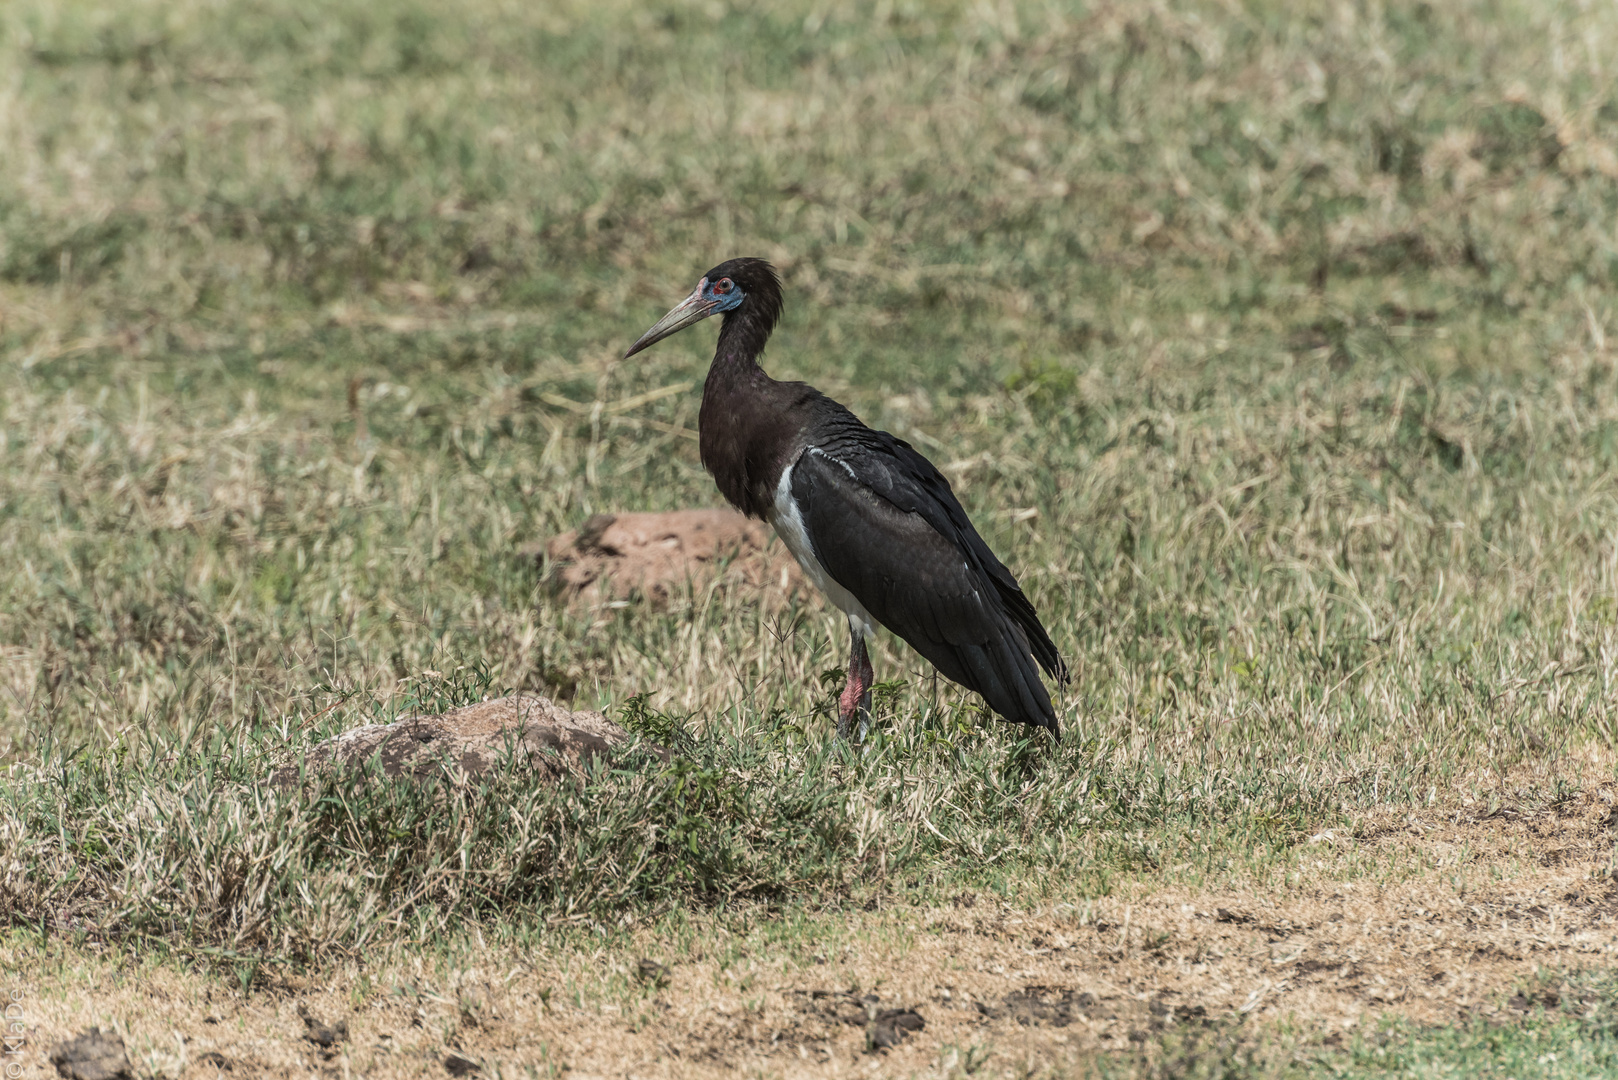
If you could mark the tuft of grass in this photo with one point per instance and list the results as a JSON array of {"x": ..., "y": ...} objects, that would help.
[{"x": 181, "y": 841}]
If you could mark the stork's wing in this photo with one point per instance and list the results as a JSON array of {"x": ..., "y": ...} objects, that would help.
[
  {"x": 893, "y": 469},
  {"x": 875, "y": 527}
]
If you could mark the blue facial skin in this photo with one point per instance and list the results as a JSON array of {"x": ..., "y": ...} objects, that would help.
[{"x": 726, "y": 301}]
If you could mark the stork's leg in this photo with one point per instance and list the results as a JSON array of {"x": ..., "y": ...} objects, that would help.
[{"x": 856, "y": 699}]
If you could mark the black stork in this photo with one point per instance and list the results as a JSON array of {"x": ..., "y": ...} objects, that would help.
[{"x": 873, "y": 523}]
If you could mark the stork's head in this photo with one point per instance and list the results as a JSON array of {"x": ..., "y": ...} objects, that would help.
[{"x": 726, "y": 289}]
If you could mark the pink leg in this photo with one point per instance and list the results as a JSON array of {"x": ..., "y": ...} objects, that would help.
[{"x": 856, "y": 697}]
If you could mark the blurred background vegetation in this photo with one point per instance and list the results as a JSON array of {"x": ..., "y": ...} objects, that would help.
[{"x": 1291, "y": 321}]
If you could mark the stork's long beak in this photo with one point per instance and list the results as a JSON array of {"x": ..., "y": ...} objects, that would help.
[{"x": 693, "y": 309}]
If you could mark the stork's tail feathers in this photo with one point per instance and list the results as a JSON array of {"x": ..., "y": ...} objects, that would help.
[{"x": 1003, "y": 671}]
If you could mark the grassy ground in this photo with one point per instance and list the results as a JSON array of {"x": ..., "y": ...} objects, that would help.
[{"x": 1269, "y": 344}]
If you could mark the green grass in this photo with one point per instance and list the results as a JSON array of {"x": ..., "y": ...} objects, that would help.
[
  {"x": 182, "y": 842},
  {"x": 1544, "y": 1032},
  {"x": 1291, "y": 322}
]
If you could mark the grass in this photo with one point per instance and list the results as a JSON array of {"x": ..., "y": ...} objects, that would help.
[
  {"x": 1553, "y": 1033},
  {"x": 181, "y": 842},
  {"x": 1550, "y": 1047},
  {"x": 1270, "y": 344}
]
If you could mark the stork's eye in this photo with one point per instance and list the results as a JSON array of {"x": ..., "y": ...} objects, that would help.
[{"x": 722, "y": 287}]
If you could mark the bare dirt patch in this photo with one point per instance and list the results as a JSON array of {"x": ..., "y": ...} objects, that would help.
[
  {"x": 1436, "y": 916},
  {"x": 616, "y": 556}
]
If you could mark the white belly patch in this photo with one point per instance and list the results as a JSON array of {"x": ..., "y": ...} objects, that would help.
[{"x": 787, "y": 521}]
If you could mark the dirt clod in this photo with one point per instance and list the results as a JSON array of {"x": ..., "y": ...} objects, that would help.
[
  {"x": 1040, "y": 1006},
  {"x": 93, "y": 1055},
  {"x": 652, "y": 973},
  {"x": 890, "y": 1027},
  {"x": 460, "y": 1065},
  {"x": 320, "y": 1033},
  {"x": 884, "y": 1028}
]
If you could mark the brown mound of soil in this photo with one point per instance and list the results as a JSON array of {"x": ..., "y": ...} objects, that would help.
[
  {"x": 615, "y": 556},
  {"x": 470, "y": 740}
]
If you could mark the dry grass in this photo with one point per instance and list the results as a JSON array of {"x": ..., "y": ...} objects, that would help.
[
  {"x": 1271, "y": 345},
  {"x": 1316, "y": 308},
  {"x": 1477, "y": 920}
]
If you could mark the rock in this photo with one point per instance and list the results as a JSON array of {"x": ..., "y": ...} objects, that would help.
[
  {"x": 93, "y": 1056},
  {"x": 471, "y": 740},
  {"x": 613, "y": 556}
]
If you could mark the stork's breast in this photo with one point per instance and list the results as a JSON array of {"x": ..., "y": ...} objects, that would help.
[{"x": 786, "y": 518}]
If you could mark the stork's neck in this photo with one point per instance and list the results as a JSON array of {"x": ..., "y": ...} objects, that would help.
[
  {"x": 742, "y": 431},
  {"x": 741, "y": 341},
  {"x": 735, "y": 380}
]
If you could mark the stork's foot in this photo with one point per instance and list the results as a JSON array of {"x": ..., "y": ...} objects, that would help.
[
  {"x": 854, "y": 703},
  {"x": 856, "y": 697}
]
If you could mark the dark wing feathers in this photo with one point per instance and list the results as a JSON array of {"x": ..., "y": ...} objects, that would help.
[
  {"x": 886, "y": 526},
  {"x": 893, "y": 469}
]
